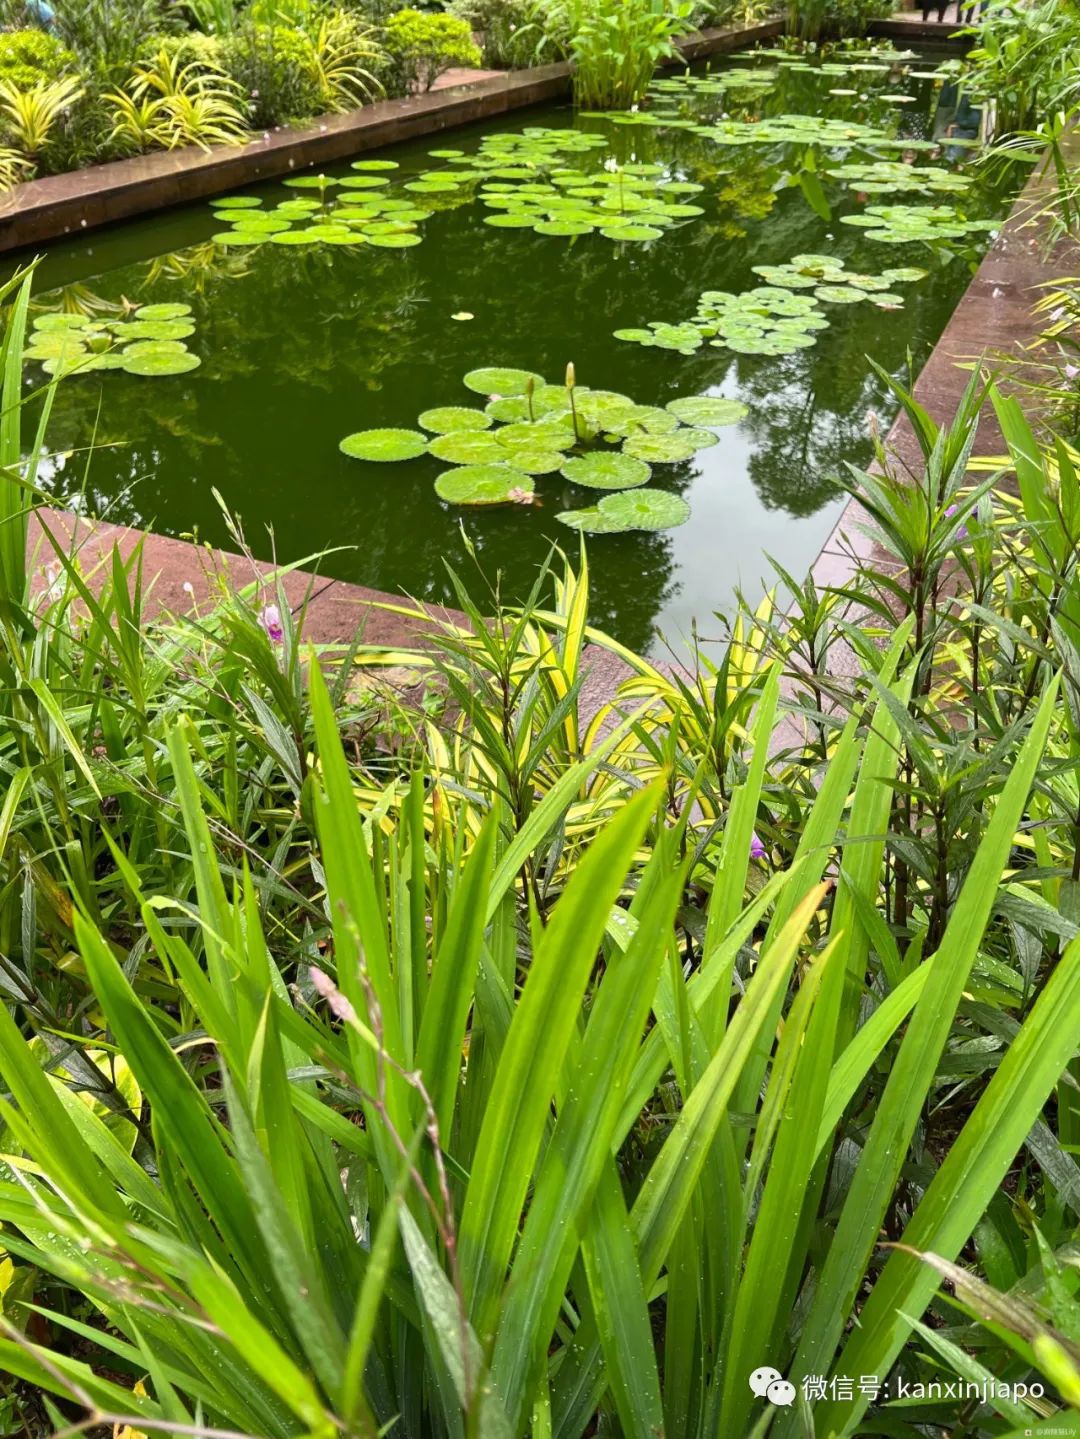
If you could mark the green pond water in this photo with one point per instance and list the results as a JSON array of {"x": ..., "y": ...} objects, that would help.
[{"x": 303, "y": 344}]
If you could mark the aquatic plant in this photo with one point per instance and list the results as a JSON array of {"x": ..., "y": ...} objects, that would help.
[
  {"x": 350, "y": 210},
  {"x": 888, "y": 177},
  {"x": 905, "y": 224},
  {"x": 525, "y": 178},
  {"x": 147, "y": 340},
  {"x": 617, "y": 45},
  {"x": 779, "y": 317},
  {"x": 598, "y": 439}
]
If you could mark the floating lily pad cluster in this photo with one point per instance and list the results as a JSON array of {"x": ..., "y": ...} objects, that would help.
[
  {"x": 904, "y": 224},
  {"x": 779, "y": 317},
  {"x": 833, "y": 283},
  {"x": 148, "y": 340},
  {"x": 824, "y": 130},
  {"x": 527, "y": 182},
  {"x": 717, "y": 82},
  {"x": 349, "y": 210},
  {"x": 636, "y": 202},
  {"x": 889, "y": 177},
  {"x": 597, "y": 439}
]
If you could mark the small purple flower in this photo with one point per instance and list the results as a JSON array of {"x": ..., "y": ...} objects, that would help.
[
  {"x": 270, "y": 619},
  {"x": 1071, "y": 372},
  {"x": 961, "y": 533},
  {"x": 757, "y": 849}
]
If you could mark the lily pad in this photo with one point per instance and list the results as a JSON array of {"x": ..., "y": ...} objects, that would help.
[
  {"x": 510, "y": 222},
  {"x": 669, "y": 449},
  {"x": 492, "y": 380},
  {"x": 448, "y": 419},
  {"x": 468, "y": 447},
  {"x": 384, "y": 445},
  {"x": 60, "y": 320},
  {"x": 160, "y": 364},
  {"x": 533, "y": 459},
  {"x": 631, "y": 233},
  {"x": 167, "y": 310},
  {"x": 607, "y": 471},
  {"x": 484, "y": 485},
  {"x": 154, "y": 347},
  {"x": 363, "y": 182},
  {"x": 400, "y": 240},
  {"x": 242, "y": 237},
  {"x": 158, "y": 330},
  {"x": 545, "y": 434},
  {"x": 639, "y": 509},
  {"x": 564, "y": 227},
  {"x": 708, "y": 410}
]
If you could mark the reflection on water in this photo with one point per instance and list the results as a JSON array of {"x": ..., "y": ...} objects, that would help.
[{"x": 303, "y": 345}]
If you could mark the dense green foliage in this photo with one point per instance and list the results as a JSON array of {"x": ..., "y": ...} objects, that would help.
[
  {"x": 539, "y": 1068},
  {"x": 402, "y": 1042},
  {"x": 422, "y": 46},
  {"x": 117, "y": 77}
]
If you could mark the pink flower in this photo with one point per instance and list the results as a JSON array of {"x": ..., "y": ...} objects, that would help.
[
  {"x": 1071, "y": 371},
  {"x": 270, "y": 619},
  {"x": 520, "y": 496},
  {"x": 961, "y": 533}
]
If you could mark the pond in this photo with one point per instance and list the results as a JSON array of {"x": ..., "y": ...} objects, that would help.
[{"x": 304, "y": 342}]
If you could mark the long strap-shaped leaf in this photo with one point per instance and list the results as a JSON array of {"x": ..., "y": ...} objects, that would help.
[
  {"x": 914, "y": 1069},
  {"x": 533, "y": 1056},
  {"x": 596, "y": 1074},
  {"x": 664, "y": 1199},
  {"x": 967, "y": 1180},
  {"x": 670, "y": 1184}
]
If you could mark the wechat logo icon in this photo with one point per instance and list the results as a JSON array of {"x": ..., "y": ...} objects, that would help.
[{"x": 768, "y": 1383}]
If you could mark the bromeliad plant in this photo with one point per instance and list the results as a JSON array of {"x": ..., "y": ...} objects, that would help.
[{"x": 168, "y": 103}]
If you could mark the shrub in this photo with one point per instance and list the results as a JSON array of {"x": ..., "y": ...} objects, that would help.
[
  {"x": 168, "y": 103},
  {"x": 290, "y": 73},
  {"x": 30, "y": 56},
  {"x": 28, "y": 116},
  {"x": 422, "y": 46},
  {"x": 107, "y": 35},
  {"x": 502, "y": 27},
  {"x": 271, "y": 65},
  {"x": 13, "y": 167}
]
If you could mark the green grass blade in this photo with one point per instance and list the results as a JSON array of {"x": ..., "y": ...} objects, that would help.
[
  {"x": 543, "y": 1025},
  {"x": 914, "y": 1068}
]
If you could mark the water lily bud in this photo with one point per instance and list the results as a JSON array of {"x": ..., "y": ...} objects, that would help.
[
  {"x": 530, "y": 386},
  {"x": 570, "y": 381}
]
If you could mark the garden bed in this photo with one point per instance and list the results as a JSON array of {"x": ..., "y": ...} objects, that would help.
[{"x": 48, "y": 209}]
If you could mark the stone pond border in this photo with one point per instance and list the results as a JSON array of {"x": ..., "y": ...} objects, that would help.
[{"x": 60, "y": 205}]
